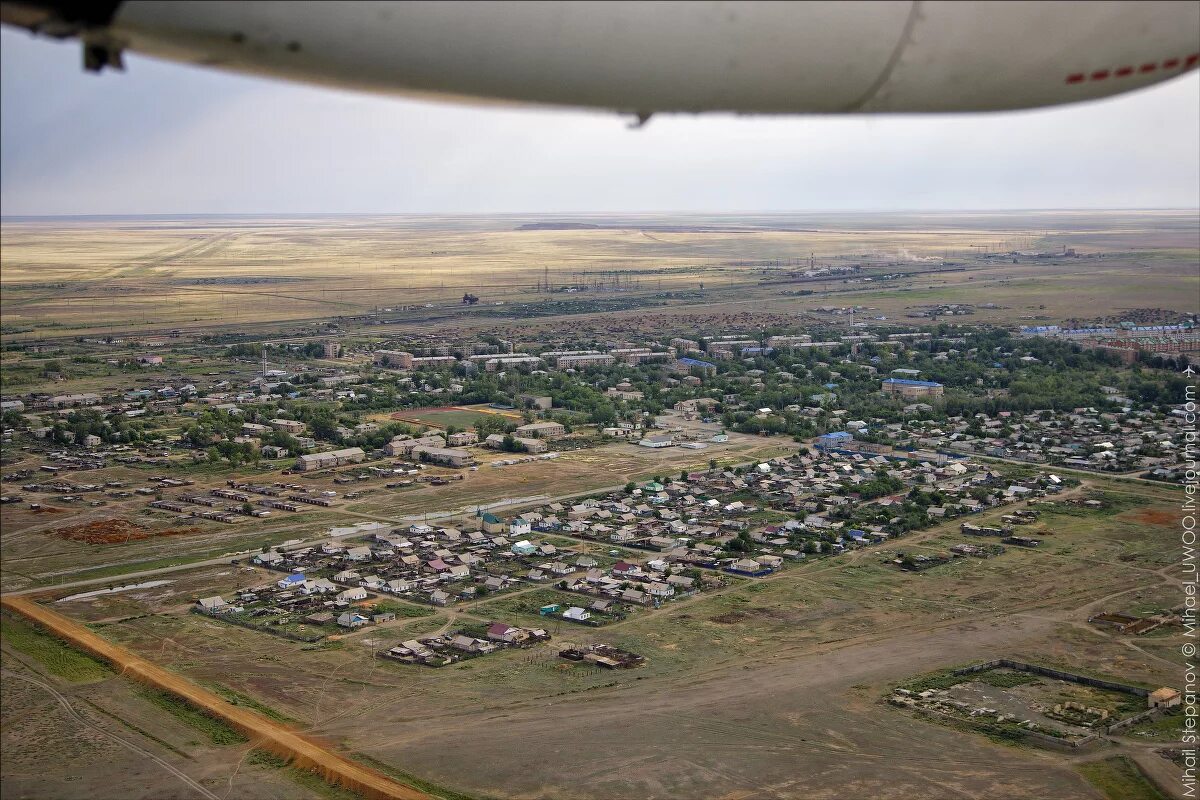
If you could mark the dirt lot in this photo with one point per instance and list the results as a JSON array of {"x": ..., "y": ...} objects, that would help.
[{"x": 115, "y": 531}]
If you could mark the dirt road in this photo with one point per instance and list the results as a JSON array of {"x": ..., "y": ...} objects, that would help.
[
  {"x": 83, "y": 722},
  {"x": 267, "y": 734}
]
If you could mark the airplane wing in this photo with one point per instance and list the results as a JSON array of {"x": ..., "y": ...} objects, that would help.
[{"x": 886, "y": 56}]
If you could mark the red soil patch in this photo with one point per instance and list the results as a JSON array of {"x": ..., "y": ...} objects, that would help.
[
  {"x": 115, "y": 531},
  {"x": 1155, "y": 517}
]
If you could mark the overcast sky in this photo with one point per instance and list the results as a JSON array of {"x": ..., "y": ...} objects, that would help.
[{"x": 162, "y": 138}]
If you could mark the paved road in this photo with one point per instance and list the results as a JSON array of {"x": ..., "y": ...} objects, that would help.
[{"x": 81, "y": 720}]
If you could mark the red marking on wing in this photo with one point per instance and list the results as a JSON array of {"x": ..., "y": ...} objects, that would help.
[{"x": 1123, "y": 72}]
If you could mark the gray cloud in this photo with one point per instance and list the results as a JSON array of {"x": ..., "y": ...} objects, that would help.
[{"x": 164, "y": 138}]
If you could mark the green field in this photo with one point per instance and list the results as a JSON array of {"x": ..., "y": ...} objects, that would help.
[
  {"x": 1167, "y": 728},
  {"x": 217, "y": 731},
  {"x": 57, "y": 657},
  {"x": 1120, "y": 779},
  {"x": 447, "y": 418}
]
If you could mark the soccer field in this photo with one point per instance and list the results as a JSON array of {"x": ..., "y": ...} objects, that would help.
[{"x": 450, "y": 417}]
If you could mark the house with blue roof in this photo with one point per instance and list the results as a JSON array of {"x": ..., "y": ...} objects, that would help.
[
  {"x": 293, "y": 581},
  {"x": 833, "y": 441}
]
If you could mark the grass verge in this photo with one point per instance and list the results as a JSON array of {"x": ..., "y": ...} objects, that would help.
[
  {"x": 56, "y": 656},
  {"x": 308, "y": 780},
  {"x": 429, "y": 788},
  {"x": 217, "y": 731},
  {"x": 239, "y": 699},
  {"x": 1118, "y": 778}
]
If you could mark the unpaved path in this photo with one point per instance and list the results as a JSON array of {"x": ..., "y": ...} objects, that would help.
[
  {"x": 81, "y": 720},
  {"x": 268, "y": 734}
]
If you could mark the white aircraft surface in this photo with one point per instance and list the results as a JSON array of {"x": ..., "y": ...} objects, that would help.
[{"x": 887, "y": 56}]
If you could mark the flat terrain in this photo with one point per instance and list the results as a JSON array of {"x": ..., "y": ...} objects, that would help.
[
  {"x": 771, "y": 687},
  {"x": 462, "y": 418},
  {"x": 224, "y": 720},
  {"x": 35, "y": 552},
  {"x": 111, "y": 738},
  {"x": 784, "y": 675},
  {"x": 146, "y": 274}
]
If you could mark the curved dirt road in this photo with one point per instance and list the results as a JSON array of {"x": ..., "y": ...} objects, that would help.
[{"x": 81, "y": 720}]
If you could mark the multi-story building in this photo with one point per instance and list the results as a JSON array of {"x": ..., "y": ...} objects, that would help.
[
  {"x": 785, "y": 342},
  {"x": 902, "y": 387},
  {"x": 462, "y": 438},
  {"x": 396, "y": 359},
  {"x": 443, "y": 456},
  {"x": 496, "y": 442},
  {"x": 639, "y": 355},
  {"x": 542, "y": 430},
  {"x": 498, "y": 363},
  {"x": 727, "y": 349},
  {"x": 695, "y": 365},
  {"x": 332, "y": 458},
  {"x": 483, "y": 358},
  {"x": 552, "y": 356},
  {"x": 685, "y": 346},
  {"x": 433, "y": 361},
  {"x": 584, "y": 361}
]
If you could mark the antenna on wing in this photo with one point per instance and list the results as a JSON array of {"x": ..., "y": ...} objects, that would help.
[{"x": 640, "y": 120}]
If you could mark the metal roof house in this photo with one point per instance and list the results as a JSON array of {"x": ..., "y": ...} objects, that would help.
[{"x": 831, "y": 441}]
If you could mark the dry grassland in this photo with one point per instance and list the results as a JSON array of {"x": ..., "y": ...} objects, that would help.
[{"x": 91, "y": 275}]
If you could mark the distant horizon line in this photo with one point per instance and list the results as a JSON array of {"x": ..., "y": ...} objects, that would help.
[{"x": 584, "y": 214}]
